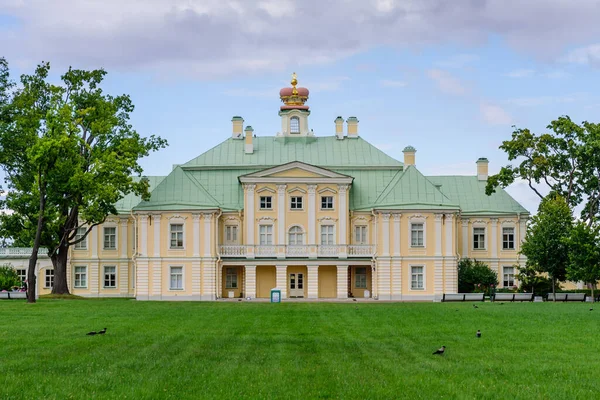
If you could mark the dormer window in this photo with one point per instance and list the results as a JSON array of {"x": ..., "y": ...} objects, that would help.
[{"x": 294, "y": 125}]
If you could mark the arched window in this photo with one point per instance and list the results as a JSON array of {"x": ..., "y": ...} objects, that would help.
[
  {"x": 294, "y": 125},
  {"x": 295, "y": 236}
]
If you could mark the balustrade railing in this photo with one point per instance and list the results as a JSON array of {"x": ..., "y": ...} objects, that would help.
[
  {"x": 333, "y": 250},
  {"x": 20, "y": 252}
]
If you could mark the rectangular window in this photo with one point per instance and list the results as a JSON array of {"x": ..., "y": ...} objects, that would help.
[
  {"x": 110, "y": 277},
  {"x": 296, "y": 203},
  {"x": 509, "y": 276},
  {"x": 327, "y": 234},
  {"x": 80, "y": 277},
  {"x": 326, "y": 202},
  {"x": 110, "y": 238},
  {"x": 266, "y": 202},
  {"x": 80, "y": 234},
  {"x": 416, "y": 235},
  {"x": 177, "y": 236},
  {"x": 231, "y": 234},
  {"x": 265, "y": 235},
  {"x": 176, "y": 278},
  {"x": 479, "y": 238},
  {"x": 231, "y": 278},
  {"x": 360, "y": 278},
  {"x": 508, "y": 238},
  {"x": 360, "y": 234},
  {"x": 416, "y": 281},
  {"x": 22, "y": 274},
  {"x": 49, "y": 278}
]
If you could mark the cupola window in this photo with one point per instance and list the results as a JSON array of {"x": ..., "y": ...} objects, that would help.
[{"x": 294, "y": 125}]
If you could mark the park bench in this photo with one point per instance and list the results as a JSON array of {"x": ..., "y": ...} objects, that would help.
[
  {"x": 463, "y": 297},
  {"x": 513, "y": 297},
  {"x": 567, "y": 297},
  {"x": 12, "y": 295}
]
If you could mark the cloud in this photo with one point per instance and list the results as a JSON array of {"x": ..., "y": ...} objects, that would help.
[
  {"x": 391, "y": 83},
  {"x": 458, "y": 61},
  {"x": 212, "y": 38},
  {"x": 585, "y": 55},
  {"x": 521, "y": 73},
  {"x": 446, "y": 82},
  {"x": 494, "y": 114}
]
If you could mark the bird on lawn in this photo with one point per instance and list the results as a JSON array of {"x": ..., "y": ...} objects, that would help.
[
  {"x": 475, "y": 306},
  {"x": 92, "y": 333},
  {"x": 440, "y": 351},
  {"x": 102, "y": 332},
  {"x": 591, "y": 309},
  {"x": 478, "y": 334}
]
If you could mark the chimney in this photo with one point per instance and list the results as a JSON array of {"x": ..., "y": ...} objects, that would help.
[
  {"x": 238, "y": 127},
  {"x": 409, "y": 155},
  {"x": 352, "y": 127},
  {"x": 339, "y": 127},
  {"x": 482, "y": 168},
  {"x": 249, "y": 147}
]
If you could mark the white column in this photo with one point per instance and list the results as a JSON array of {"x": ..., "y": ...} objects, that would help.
[
  {"x": 449, "y": 233},
  {"x": 397, "y": 241},
  {"x": 343, "y": 213},
  {"x": 396, "y": 280},
  {"x": 342, "y": 281},
  {"x": 494, "y": 237},
  {"x": 250, "y": 281},
  {"x": 522, "y": 231},
  {"x": 281, "y": 214},
  {"x": 123, "y": 235},
  {"x": 156, "y": 221},
  {"x": 312, "y": 281},
  {"x": 249, "y": 211},
  {"x": 156, "y": 292},
  {"x": 312, "y": 221},
  {"x": 385, "y": 227},
  {"x": 209, "y": 284},
  {"x": 382, "y": 276},
  {"x": 94, "y": 240},
  {"x": 196, "y": 235},
  {"x": 143, "y": 235},
  {"x": 94, "y": 278},
  {"x": 281, "y": 279},
  {"x": 123, "y": 277},
  {"x": 465, "y": 238},
  {"x": 438, "y": 234},
  {"x": 142, "y": 290},
  {"x": 207, "y": 236}
]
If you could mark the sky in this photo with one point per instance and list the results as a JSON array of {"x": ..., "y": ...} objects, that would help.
[{"x": 451, "y": 78}]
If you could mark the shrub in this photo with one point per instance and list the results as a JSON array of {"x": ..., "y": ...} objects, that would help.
[
  {"x": 8, "y": 277},
  {"x": 475, "y": 276}
]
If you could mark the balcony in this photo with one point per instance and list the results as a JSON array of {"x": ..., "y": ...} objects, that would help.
[
  {"x": 21, "y": 252},
  {"x": 295, "y": 251}
]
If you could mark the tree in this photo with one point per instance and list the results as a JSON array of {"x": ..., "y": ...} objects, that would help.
[
  {"x": 474, "y": 274},
  {"x": 8, "y": 277},
  {"x": 545, "y": 244},
  {"x": 566, "y": 161},
  {"x": 584, "y": 254},
  {"x": 69, "y": 153},
  {"x": 530, "y": 280}
]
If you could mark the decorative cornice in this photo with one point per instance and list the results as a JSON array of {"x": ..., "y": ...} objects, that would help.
[
  {"x": 343, "y": 188},
  {"x": 465, "y": 222},
  {"x": 494, "y": 221},
  {"x": 438, "y": 217},
  {"x": 208, "y": 217},
  {"x": 143, "y": 217},
  {"x": 296, "y": 189},
  {"x": 449, "y": 217},
  {"x": 111, "y": 220},
  {"x": 361, "y": 219},
  {"x": 385, "y": 217},
  {"x": 418, "y": 216},
  {"x": 177, "y": 216},
  {"x": 234, "y": 219},
  {"x": 124, "y": 221},
  {"x": 312, "y": 189},
  {"x": 480, "y": 222},
  {"x": 508, "y": 222},
  {"x": 327, "y": 189},
  {"x": 327, "y": 219},
  {"x": 266, "y": 219},
  {"x": 249, "y": 187},
  {"x": 397, "y": 217},
  {"x": 281, "y": 189},
  {"x": 196, "y": 217},
  {"x": 265, "y": 189}
]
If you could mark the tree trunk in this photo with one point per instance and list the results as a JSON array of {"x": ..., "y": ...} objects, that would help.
[
  {"x": 59, "y": 261},
  {"x": 553, "y": 288},
  {"x": 31, "y": 281}
]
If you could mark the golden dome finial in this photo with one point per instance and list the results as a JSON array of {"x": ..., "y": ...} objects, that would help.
[{"x": 294, "y": 82}]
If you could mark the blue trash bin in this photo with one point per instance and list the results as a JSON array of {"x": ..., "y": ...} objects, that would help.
[{"x": 275, "y": 296}]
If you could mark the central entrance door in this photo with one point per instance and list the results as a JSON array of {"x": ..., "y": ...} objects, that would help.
[{"x": 297, "y": 284}]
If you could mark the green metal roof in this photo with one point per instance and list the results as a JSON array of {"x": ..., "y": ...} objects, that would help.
[
  {"x": 327, "y": 151},
  {"x": 409, "y": 189},
  {"x": 127, "y": 203},
  {"x": 469, "y": 192}
]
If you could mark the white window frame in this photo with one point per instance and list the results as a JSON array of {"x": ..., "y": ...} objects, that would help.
[
  {"x": 22, "y": 276},
  {"x": 484, "y": 237},
  {"x": 332, "y": 203},
  {"x": 268, "y": 234},
  {"x": 333, "y": 232},
  {"x": 410, "y": 233},
  {"x": 292, "y": 131},
  {"x": 104, "y": 234},
  {"x": 301, "y": 203},
  {"x": 180, "y": 274},
  {"x": 234, "y": 273},
  {"x": 366, "y": 275},
  {"x": 365, "y": 233},
  {"x": 231, "y": 234},
  {"x": 504, "y": 274},
  {"x": 104, "y": 273},
  {"x": 77, "y": 280},
  {"x": 514, "y": 247},
  {"x": 424, "y": 277},
  {"x": 298, "y": 232},
  {"x": 268, "y": 199},
  {"x": 171, "y": 232},
  {"x": 49, "y": 278},
  {"x": 83, "y": 244}
]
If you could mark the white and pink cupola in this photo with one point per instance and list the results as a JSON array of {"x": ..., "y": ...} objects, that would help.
[{"x": 294, "y": 114}]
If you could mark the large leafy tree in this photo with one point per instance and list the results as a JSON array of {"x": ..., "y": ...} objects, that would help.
[
  {"x": 584, "y": 254},
  {"x": 545, "y": 244},
  {"x": 566, "y": 161},
  {"x": 69, "y": 153},
  {"x": 473, "y": 274}
]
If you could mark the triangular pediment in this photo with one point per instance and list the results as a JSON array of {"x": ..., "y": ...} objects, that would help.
[{"x": 295, "y": 172}]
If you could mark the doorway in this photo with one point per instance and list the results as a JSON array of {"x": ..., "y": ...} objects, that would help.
[{"x": 296, "y": 282}]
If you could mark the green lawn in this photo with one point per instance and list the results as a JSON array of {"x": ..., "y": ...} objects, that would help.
[{"x": 298, "y": 350}]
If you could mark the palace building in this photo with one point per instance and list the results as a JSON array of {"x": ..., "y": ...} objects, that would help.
[{"x": 318, "y": 217}]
